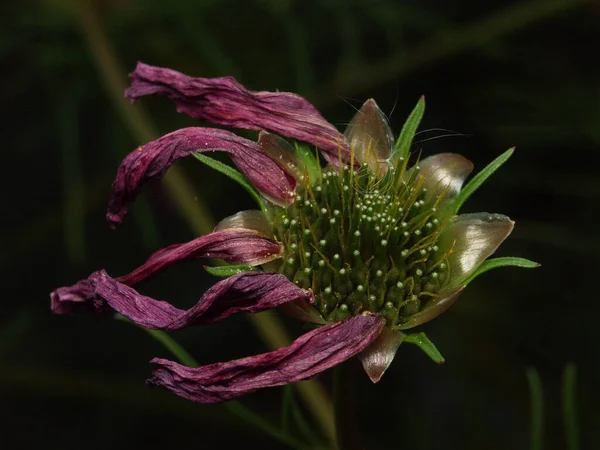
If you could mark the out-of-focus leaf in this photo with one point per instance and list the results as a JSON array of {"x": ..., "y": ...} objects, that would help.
[
  {"x": 569, "y": 407},
  {"x": 536, "y": 394}
]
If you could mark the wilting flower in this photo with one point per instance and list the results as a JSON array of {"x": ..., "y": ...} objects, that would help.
[{"x": 366, "y": 247}]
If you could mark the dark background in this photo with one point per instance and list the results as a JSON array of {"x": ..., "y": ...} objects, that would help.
[{"x": 495, "y": 74}]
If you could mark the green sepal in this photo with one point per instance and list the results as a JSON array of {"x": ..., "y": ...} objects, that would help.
[
  {"x": 227, "y": 271},
  {"x": 233, "y": 174},
  {"x": 409, "y": 129},
  {"x": 501, "y": 262},
  {"x": 479, "y": 179},
  {"x": 423, "y": 342},
  {"x": 308, "y": 162}
]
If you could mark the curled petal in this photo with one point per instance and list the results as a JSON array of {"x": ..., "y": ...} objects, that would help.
[
  {"x": 378, "y": 356},
  {"x": 444, "y": 174},
  {"x": 473, "y": 238},
  {"x": 236, "y": 245},
  {"x": 152, "y": 160},
  {"x": 246, "y": 292},
  {"x": 436, "y": 306},
  {"x": 226, "y": 102},
  {"x": 310, "y": 354},
  {"x": 69, "y": 299},
  {"x": 252, "y": 219},
  {"x": 370, "y": 137}
]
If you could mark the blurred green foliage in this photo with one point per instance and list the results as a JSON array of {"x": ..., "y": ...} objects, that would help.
[{"x": 495, "y": 75}]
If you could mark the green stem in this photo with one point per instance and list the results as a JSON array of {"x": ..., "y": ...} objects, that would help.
[
  {"x": 344, "y": 387},
  {"x": 569, "y": 407},
  {"x": 537, "y": 409}
]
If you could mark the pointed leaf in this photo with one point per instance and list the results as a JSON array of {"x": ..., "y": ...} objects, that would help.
[
  {"x": 478, "y": 179},
  {"x": 235, "y": 175},
  {"x": 227, "y": 271},
  {"x": 502, "y": 262},
  {"x": 409, "y": 129},
  {"x": 423, "y": 342}
]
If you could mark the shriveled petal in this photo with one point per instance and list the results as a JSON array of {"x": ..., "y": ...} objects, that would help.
[
  {"x": 434, "y": 308},
  {"x": 252, "y": 219},
  {"x": 236, "y": 245},
  {"x": 444, "y": 174},
  {"x": 152, "y": 160},
  {"x": 370, "y": 137},
  {"x": 473, "y": 238},
  {"x": 246, "y": 292},
  {"x": 310, "y": 354},
  {"x": 378, "y": 356},
  {"x": 70, "y": 299},
  {"x": 227, "y": 102}
]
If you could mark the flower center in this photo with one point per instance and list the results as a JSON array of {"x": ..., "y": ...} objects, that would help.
[{"x": 365, "y": 242}]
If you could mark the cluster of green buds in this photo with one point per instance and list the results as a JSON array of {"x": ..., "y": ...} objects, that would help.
[{"x": 366, "y": 242}]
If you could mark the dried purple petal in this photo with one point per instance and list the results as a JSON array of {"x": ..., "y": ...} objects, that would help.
[
  {"x": 70, "y": 299},
  {"x": 246, "y": 292},
  {"x": 310, "y": 354},
  {"x": 152, "y": 160},
  {"x": 226, "y": 102},
  {"x": 378, "y": 356},
  {"x": 235, "y": 245}
]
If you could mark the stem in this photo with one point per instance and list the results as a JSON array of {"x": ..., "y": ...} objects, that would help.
[
  {"x": 177, "y": 185},
  {"x": 236, "y": 408},
  {"x": 443, "y": 45},
  {"x": 344, "y": 400},
  {"x": 182, "y": 193}
]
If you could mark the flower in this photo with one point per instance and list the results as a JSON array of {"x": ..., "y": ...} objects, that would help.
[{"x": 366, "y": 247}]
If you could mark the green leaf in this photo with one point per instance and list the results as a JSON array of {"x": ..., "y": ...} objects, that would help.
[
  {"x": 501, "y": 262},
  {"x": 569, "y": 407},
  {"x": 227, "y": 271},
  {"x": 478, "y": 179},
  {"x": 308, "y": 162},
  {"x": 423, "y": 342},
  {"x": 409, "y": 129},
  {"x": 233, "y": 174}
]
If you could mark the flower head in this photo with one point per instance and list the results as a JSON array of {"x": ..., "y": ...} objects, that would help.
[{"x": 367, "y": 247}]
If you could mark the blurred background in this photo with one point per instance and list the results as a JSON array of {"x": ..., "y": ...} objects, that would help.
[{"x": 495, "y": 74}]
